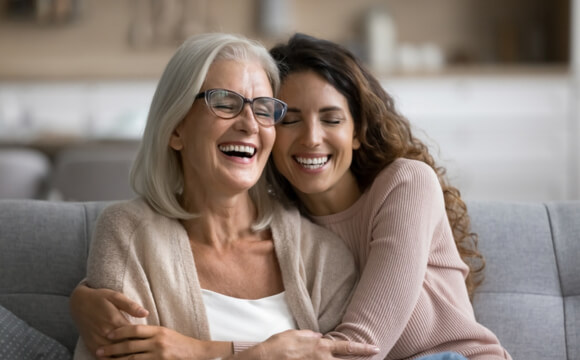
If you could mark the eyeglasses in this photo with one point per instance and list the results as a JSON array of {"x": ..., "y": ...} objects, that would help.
[{"x": 228, "y": 104}]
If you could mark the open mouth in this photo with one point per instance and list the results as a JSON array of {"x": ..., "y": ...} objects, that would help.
[
  {"x": 242, "y": 151},
  {"x": 312, "y": 163}
]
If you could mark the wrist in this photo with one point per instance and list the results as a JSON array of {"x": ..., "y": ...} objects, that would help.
[
  {"x": 256, "y": 352},
  {"x": 260, "y": 351},
  {"x": 218, "y": 349}
]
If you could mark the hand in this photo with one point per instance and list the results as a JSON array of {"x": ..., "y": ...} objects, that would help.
[
  {"x": 144, "y": 342},
  {"x": 96, "y": 312},
  {"x": 306, "y": 344}
]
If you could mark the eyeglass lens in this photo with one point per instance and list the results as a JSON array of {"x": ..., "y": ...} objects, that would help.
[{"x": 227, "y": 104}]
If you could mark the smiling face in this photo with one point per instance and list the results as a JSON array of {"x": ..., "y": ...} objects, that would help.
[
  {"x": 315, "y": 142},
  {"x": 225, "y": 156}
]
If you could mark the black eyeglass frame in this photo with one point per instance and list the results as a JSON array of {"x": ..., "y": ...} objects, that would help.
[{"x": 207, "y": 94}]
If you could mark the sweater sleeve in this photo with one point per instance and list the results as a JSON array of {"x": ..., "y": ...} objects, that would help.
[
  {"x": 112, "y": 262},
  {"x": 106, "y": 261},
  {"x": 105, "y": 265},
  {"x": 403, "y": 225}
]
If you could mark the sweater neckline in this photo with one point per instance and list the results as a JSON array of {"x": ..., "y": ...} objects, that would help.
[{"x": 342, "y": 215}]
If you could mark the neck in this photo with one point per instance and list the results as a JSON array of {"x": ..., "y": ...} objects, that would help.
[
  {"x": 333, "y": 200},
  {"x": 220, "y": 221}
]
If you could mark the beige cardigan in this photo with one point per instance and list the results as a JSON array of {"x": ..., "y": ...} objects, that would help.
[{"x": 147, "y": 256}]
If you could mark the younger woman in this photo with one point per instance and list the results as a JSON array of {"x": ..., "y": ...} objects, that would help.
[{"x": 350, "y": 162}]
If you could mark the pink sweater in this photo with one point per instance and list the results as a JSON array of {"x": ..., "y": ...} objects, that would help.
[{"x": 411, "y": 299}]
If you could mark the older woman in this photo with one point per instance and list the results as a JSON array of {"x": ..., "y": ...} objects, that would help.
[{"x": 205, "y": 248}]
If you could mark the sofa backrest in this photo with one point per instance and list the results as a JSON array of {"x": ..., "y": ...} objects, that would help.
[
  {"x": 43, "y": 252},
  {"x": 530, "y": 298},
  {"x": 531, "y": 295}
]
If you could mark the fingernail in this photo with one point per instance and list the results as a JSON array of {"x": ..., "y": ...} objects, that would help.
[{"x": 100, "y": 352}]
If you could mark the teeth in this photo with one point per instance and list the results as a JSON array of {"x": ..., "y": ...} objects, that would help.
[
  {"x": 238, "y": 148},
  {"x": 312, "y": 163}
]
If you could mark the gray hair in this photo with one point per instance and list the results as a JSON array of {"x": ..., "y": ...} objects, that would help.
[{"x": 156, "y": 173}]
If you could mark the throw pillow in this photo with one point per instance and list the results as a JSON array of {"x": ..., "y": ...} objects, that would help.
[{"x": 19, "y": 341}]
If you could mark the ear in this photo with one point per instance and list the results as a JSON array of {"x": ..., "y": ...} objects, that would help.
[
  {"x": 175, "y": 141},
  {"x": 355, "y": 143}
]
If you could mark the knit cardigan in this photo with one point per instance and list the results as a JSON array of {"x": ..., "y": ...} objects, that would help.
[
  {"x": 147, "y": 256},
  {"x": 411, "y": 299}
]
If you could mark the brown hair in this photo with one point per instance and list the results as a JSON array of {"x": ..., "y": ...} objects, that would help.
[{"x": 384, "y": 134}]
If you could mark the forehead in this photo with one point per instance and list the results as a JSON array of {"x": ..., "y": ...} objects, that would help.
[
  {"x": 310, "y": 89},
  {"x": 237, "y": 75}
]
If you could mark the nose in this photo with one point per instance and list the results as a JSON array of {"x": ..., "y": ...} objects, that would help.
[
  {"x": 312, "y": 133},
  {"x": 246, "y": 121}
]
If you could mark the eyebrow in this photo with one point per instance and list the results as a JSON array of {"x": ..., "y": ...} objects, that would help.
[
  {"x": 330, "y": 108},
  {"x": 324, "y": 109}
]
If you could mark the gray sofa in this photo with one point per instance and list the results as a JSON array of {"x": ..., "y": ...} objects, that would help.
[{"x": 530, "y": 298}]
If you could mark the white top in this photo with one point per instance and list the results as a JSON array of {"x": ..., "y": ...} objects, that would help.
[{"x": 234, "y": 319}]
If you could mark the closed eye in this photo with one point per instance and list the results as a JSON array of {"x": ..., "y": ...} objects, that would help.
[
  {"x": 331, "y": 115},
  {"x": 263, "y": 111},
  {"x": 292, "y": 117},
  {"x": 289, "y": 121},
  {"x": 223, "y": 107}
]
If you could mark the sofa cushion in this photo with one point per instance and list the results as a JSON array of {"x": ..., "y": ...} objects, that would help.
[
  {"x": 44, "y": 251},
  {"x": 22, "y": 342},
  {"x": 522, "y": 283},
  {"x": 565, "y": 225}
]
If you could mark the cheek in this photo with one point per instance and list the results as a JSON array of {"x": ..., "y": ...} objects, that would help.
[
  {"x": 282, "y": 144},
  {"x": 280, "y": 151},
  {"x": 268, "y": 138},
  {"x": 281, "y": 162},
  {"x": 347, "y": 140}
]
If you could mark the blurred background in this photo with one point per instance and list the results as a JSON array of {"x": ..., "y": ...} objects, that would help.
[{"x": 491, "y": 85}]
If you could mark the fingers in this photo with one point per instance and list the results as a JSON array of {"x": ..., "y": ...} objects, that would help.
[
  {"x": 127, "y": 305},
  {"x": 127, "y": 340},
  {"x": 340, "y": 347},
  {"x": 124, "y": 348},
  {"x": 133, "y": 332}
]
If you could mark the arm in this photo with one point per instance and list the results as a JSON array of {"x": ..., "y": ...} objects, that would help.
[
  {"x": 391, "y": 281},
  {"x": 162, "y": 343},
  {"x": 96, "y": 312},
  {"x": 301, "y": 345},
  {"x": 117, "y": 264},
  {"x": 104, "y": 267}
]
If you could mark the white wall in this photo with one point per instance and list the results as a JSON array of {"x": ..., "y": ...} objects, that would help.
[
  {"x": 500, "y": 137},
  {"x": 84, "y": 110}
]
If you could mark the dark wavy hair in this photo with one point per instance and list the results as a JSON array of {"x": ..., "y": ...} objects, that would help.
[{"x": 384, "y": 134}]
